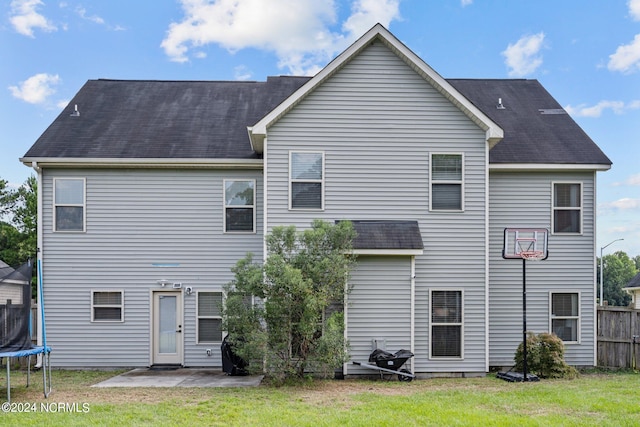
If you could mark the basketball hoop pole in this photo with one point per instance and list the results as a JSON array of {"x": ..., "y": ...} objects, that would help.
[
  {"x": 524, "y": 320},
  {"x": 526, "y": 244}
]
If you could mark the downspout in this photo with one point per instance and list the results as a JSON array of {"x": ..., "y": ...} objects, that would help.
[
  {"x": 595, "y": 271},
  {"x": 486, "y": 260},
  {"x": 413, "y": 308},
  {"x": 39, "y": 256},
  {"x": 265, "y": 174},
  {"x": 265, "y": 165}
]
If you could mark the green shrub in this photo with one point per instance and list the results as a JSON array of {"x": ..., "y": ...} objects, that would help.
[{"x": 545, "y": 357}]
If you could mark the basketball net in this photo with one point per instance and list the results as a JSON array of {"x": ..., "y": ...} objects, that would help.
[{"x": 532, "y": 255}]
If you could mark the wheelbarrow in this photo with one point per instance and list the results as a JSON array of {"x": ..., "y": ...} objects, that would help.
[{"x": 389, "y": 363}]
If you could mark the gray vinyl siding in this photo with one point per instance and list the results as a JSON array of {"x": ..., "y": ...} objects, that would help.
[
  {"x": 379, "y": 307},
  {"x": 134, "y": 219},
  {"x": 524, "y": 199},
  {"x": 377, "y": 122}
]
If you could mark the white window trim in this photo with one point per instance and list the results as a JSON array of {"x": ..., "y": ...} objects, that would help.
[
  {"x": 198, "y": 317},
  {"x": 321, "y": 181},
  {"x": 84, "y": 204},
  {"x": 578, "y": 317},
  {"x": 120, "y": 306},
  {"x": 567, "y": 208},
  {"x": 461, "y": 182},
  {"x": 224, "y": 206},
  {"x": 432, "y": 324}
]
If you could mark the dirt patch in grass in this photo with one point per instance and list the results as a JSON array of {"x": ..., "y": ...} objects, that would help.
[{"x": 75, "y": 386}]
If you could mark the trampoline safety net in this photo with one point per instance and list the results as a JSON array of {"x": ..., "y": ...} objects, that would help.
[{"x": 15, "y": 315}]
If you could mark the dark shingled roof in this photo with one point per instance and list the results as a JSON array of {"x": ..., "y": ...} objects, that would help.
[
  {"x": 22, "y": 274},
  {"x": 163, "y": 119},
  {"x": 209, "y": 119},
  {"x": 635, "y": 282},
  {"x": 536, "y": 128},
  {"x": 387, "y": 235}
]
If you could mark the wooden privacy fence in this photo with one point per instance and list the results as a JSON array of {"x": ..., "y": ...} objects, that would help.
[{"x": 618, "y": 337}]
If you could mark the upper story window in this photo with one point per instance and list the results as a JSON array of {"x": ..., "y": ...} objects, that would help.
[
  {"x": 565, "y": 316},
  {"x": 69, "y": 204},
  {"x": 567, "y": 208},
  {"x": 446, "y": 173},
  {"x": 306, "y": 180},
  {"x": 239, "y": 205}
]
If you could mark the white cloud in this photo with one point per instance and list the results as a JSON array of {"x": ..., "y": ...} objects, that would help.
[
  {"x": 25, "y": 17},
  {"x": 626, "y": 58},
  {"x": 583, "y": 110},
  {"x": 624, "y": 204},
  {"x": 62, "y": 104},
  {"x": 634, "y": 9},
  {"x": 241, "y": 72},
  {"x": 466, "y": 2},
  {"x": 36, "y": 89},
  {"x": 633, "y": 180},
  {"x": 366, "y": 13},
  {"x": 522, "y": 57},
  {"x": 82, "y": 12},
  {"x": 297, "y": 32}
]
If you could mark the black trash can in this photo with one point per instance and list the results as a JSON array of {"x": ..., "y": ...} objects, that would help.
[{"x": 232, "y": 364}]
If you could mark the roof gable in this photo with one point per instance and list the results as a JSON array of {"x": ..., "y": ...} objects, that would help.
[{"x": 494, "y": 133}]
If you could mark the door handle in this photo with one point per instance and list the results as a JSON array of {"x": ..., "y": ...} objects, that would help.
[{"x": 179, "y": 331}]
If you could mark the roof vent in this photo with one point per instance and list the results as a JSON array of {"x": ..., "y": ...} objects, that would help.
[
  {"x": 552, "y": 111},
  {"x": 75, "y": 113},
  {"x": 500, "y": 106}
]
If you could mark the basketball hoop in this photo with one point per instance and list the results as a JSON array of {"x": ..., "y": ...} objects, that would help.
[{"x": 532, "y": 255}]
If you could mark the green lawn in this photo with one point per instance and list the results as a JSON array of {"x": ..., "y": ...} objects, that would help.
[{"x": 592, "y": 399}]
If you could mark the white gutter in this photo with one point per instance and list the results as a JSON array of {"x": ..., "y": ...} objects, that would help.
[
  {"x": 144, "y": 163},
  {"x": 520, "y": 167}
]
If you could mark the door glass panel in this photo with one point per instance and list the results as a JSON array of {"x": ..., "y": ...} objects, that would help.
[{"x": 167, "y": 339}]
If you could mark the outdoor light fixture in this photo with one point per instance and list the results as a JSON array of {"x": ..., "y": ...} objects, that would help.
[{"x": 163, "y": 282}]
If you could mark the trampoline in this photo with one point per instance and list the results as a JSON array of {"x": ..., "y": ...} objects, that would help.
[{"x": 15, "y": 323}]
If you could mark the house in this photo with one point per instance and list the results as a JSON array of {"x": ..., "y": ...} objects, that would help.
[
  {"x": 152, "y": 190},
  {"x": 633, "y": 289}
]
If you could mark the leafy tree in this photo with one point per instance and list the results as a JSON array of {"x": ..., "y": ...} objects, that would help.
[
  {"x": 7, "y": 199},
  {"x": 18, "y": 233},
  {"x": 636, "y": 259},
  {"x": 619, "y": 269},
  {"x": 294, "y": 326}
]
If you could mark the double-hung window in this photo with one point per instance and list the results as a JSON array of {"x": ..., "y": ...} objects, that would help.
[
  {"x": 107, "y": 306},
  {"x": 446, "y": 174},
  {"x": 565, "y": 316},
  {"x": 446, "y": 324},
  {"x": 306, "y": 180},
  {"x": 567, "y": 208},
  {"x": 69, "y": 204},
  {"x": 240, "y": 205},
  {"x": 209, "y": 317}
]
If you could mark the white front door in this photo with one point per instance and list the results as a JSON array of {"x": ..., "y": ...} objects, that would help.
[{"x": 167, "y": 328}]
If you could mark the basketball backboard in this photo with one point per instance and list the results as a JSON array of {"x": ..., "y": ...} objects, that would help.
[{"x": 525, "y": 243}]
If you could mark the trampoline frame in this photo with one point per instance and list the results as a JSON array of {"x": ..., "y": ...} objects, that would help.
[{"x": 46, "y": 367}]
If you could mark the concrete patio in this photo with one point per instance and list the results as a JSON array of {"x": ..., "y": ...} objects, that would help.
[{"x": 182, "y": 377}]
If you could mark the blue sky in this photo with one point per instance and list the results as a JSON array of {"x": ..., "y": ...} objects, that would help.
[{"x": 586, "y": 53}]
